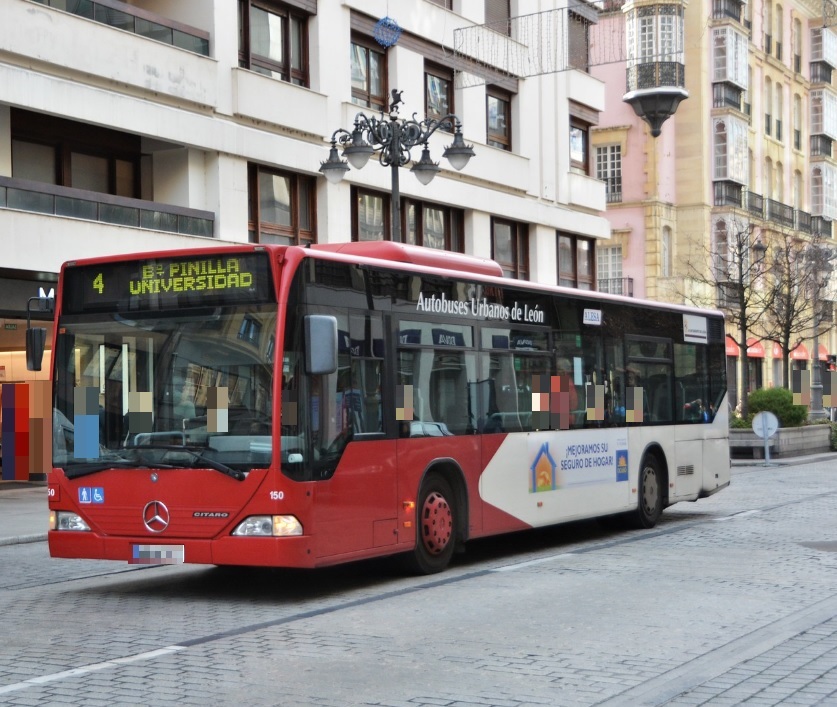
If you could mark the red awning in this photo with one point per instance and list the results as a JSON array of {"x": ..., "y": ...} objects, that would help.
[
  {"x": 823, "y": 352},
  {"x": 777, "y": 351},
  {"x": 732, "y": 347},
  {"x": 800, "y": 353},
  {"x": 755, "y": 349}
]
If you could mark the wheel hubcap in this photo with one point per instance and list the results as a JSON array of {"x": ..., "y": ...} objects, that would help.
[
  {"x": 649, "y": 490},
  {"x": 436, "y": 523}
]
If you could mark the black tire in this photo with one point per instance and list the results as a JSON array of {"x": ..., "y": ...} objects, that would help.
[
  {"x": 436, "y": 518},
  {"x": 650, "y": 502}
]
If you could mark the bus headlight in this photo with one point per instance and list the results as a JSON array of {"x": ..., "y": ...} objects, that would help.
[
  {"x": 269, "y": 526},
  {"x": 64, "y": 520}
]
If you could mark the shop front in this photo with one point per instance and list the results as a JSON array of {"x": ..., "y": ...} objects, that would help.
[{"x": 25, "y": 432}]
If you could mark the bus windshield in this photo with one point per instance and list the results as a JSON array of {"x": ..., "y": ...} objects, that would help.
[{"x": 187, "y": 388}]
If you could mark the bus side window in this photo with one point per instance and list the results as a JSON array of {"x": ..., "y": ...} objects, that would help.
[
  {"x": 500, "y": 391},
  {"x": 451, "y": 381},
  {"x": 693, "y": 401}
]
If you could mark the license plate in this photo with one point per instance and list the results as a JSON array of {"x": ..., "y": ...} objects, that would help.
[{"x": 157, "y": 555}]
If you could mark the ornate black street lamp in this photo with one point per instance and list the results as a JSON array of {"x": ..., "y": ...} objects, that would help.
[{"x": 393, "y": 139}]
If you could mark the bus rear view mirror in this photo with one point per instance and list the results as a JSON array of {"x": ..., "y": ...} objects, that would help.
[
  {"x": 320, "y": 344},
  {"x": 35, "y": 344}
]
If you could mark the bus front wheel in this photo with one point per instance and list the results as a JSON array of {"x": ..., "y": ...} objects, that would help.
[
  {"x": 436, "y": 526},
  {"x": 650, "y": 504}
]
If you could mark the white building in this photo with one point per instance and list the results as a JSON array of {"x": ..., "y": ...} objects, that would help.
[{"x": 161, "y": 124}]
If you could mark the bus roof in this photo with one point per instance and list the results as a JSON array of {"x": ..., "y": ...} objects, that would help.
[
  {"x": 450, "y": 264},
  {"x": 415, "y": 255}
]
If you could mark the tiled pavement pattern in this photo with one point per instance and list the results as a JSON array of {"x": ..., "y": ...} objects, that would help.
[{"x": 729, "y": 601}]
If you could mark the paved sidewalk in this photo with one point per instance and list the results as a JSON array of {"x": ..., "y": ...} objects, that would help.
[{"x": 24, "y": 514}]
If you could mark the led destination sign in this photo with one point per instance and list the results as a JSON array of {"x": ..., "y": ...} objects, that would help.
[{"x": 168, "y": 283}]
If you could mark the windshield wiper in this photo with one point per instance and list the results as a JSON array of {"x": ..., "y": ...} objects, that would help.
[
  {"x": 85, "y": 468},
  {"x": 197, "y": 453}
]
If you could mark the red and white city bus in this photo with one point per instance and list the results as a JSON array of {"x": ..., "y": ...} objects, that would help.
[{"x": 300, "y": 407}]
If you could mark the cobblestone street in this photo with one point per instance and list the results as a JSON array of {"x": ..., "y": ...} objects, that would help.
[{"x": 729, "y": 601}]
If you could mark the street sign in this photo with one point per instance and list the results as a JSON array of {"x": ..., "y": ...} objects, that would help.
[{"x": 765, "y": 424}]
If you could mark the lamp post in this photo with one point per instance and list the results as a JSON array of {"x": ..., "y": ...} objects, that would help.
[
  {"x": 820, "y": 261},
  {"x": 393, "y": 139}
]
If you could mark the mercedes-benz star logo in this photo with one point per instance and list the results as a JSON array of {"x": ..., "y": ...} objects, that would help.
[{"x": 155, "y": 516}]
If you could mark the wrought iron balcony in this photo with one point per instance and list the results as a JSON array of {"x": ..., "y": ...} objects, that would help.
[
  {"x": 820, "y": 72},
  {"x": 616, "y": 286},
  {"x": 655, "y": 74},
  {"x": 726, "y": 95},
  {"x": 728, "y": 194},
  {"x": 820, "y": 146},
  {"x": 802, "y": 221},
  {"x": 755, "y": 204},
  {"x": 821, "y": 226},
  {"x": 726, "y": 8},
  {"x": 779, "y": 213}
]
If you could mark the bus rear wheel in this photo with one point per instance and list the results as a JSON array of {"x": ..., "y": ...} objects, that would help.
[
  {"x": 650, "y": 504},
  {"x": 436, "y": 526}
]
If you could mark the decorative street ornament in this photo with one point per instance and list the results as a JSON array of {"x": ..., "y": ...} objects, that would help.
[{"x": 387, "y": 32}]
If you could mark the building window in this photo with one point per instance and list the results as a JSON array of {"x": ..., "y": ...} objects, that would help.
[
  {"x": 665, "y": 254},
  {"x": 609, "y": 170},
  {"x": 510, "y": 247},
  {"x": 609, "y": 269},
  {"x": 273, "y": 40},
  {"x": 433, "y": 225},
  {"x": 250, "y": 330},
  {"x": 66, "y": 153},
  {"x": 447, "y": 4},
  {"x": 281, "y": 207},
  {"x": 370, "y": 216},
  {"x": 438, "y": 101},
  {"x": 498, "y": 16},
  {"x": 425, "y": 224},
  {"x": 575, "y": 262},
  {"x": 578, "y": 41},
  {"x": 369, "y": 70},
  {"x": 579, "y": 146},
  {"x": 498, "y": 112}
]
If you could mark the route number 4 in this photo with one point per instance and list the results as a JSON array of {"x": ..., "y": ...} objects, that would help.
[{"x": 99, "y": 283}]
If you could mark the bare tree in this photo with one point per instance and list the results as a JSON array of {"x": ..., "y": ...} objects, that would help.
[
  {"x": 731, "y": 273},
  {"x": 797, "y": 281}
]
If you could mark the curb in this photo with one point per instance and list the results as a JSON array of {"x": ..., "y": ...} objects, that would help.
[{"x": 21, "y": 539}]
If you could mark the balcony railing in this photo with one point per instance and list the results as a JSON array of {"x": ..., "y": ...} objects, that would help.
[
  {"x": 726, "y": 8},
  {"x": 802, "y": 221},
  {"x": 616, "y": 286},
  {"x": 613, "y": 189},
  {"x": 37, "y": 197},
  {"x": 726, "y": 95},
  {"x": 755, "y": 204},
  {"x": 820, "y": 72},
  {"x": 134, "y": 19},
  {"x": 655, "y": 74},
  {"x": 821, "y": 226},
  {"x": 820, "y": 146},
  {"x": 728, "y": 194},
  {"x": 779, "y": 213}
]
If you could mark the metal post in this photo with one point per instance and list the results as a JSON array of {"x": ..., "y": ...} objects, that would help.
[
  {"x": 395, "y": 206},
  {"x": 817, "y": 412}
]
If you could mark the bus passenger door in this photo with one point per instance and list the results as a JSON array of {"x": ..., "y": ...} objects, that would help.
[{"x": 355, "y": 495}]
